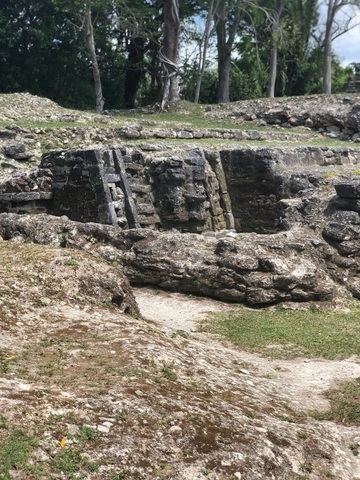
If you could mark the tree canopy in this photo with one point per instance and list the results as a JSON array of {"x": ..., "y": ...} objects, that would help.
[{"x": 219, "y": 50}]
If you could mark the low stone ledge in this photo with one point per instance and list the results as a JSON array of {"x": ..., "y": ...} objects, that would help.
[
  {"x": 7, "y": 134},
  {"x": 25, "y": 196},
  {"x": 217, "y": 133},
  {"x": 227, "y": 269}
]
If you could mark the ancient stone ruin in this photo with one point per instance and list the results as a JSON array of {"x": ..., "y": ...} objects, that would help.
[
  {"x": 191, "y": 190},
  {"x": 353, "y": 85},
  {"x": 252, "y": 225},
  {"x": 226, "y": 214}
]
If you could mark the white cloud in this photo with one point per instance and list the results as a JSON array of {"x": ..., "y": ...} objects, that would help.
[{"x": 347, "y": 46}]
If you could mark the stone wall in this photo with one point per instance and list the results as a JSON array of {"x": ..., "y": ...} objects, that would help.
[
  {"x": 78, "y": 187},
  {"x": 191, "y": 190}
]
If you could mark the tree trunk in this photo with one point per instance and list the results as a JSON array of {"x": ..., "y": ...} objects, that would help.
[
  {"x": 203, "y": 50},
  {"x": 90, "y": 43},
  {"x": 327, "y": 63},
  {"x": 275, "y": 33},
  {"x": 272, "y": 71},
  {"x": 224, "y": 47},
  {"x": 224, "y": 62},
  {"x": 169, "y": 52}
]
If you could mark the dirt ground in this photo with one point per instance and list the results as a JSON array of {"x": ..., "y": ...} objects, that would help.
[{"x": 305, "y": 380}]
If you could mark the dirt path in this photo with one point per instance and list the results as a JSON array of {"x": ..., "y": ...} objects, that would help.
[{"x": 303, "y": 380}]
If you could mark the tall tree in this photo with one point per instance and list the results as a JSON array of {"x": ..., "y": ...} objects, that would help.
[
  {"x": 298, "y": 60},
  {"x": 169, "y": 51},
  {"x": 90, "y": 42},
  {"x": 334, "y": 29},
  {"x": 204, "y": 45},
  {"x": 283, "y": 50},
  {"x": 277, "y": 8},
  {"x": 228, "y": 17}
]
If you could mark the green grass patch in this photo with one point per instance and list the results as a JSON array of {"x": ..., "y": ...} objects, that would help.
[
  {"x": 280, "y": 333},
  {"x": 70, "y": 462},
  {"x": 344, "y": 405},
  {"x": 169, "y": 373},
  {"x": 15, "y": 452}
]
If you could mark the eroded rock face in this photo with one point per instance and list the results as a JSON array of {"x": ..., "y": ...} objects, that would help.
[
  {"x": 342, "y": 231},
  {"x": 67, "y": 278},
  {"x": 255, "y": 186},
  {"x": 253, "y": 269}
]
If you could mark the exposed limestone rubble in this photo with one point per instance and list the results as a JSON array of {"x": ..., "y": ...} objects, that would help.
[{"x": 335, "y": 116}]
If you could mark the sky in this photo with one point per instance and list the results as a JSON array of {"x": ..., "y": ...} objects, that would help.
[{"x": 347, "y": 46}]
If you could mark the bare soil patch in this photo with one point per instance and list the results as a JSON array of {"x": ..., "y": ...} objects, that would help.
[{"x": 305, "y": 380}]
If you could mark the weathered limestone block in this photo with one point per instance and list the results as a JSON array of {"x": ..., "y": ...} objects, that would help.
[
  {"x": 183, "y": 192},
  {"x": 129, "y": 132},
  {"x": 7, "y": 134},
  {"x": 349, "y": 247},
  {"x": 14, "y": 149},
  {"x": 347, "y": 204},
  {"x": 17, "y": 151},
  {"x": 184, "y": 134},
  {"x": 348, "y": 189},
  {"x": 340, "y": 232},
  {"x": 343, "y": 227}
]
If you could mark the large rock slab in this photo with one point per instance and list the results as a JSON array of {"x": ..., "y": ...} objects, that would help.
[{"x": 252, "y": 269}]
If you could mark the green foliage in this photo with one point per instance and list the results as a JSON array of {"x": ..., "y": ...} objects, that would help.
[
  {"x": 43, "y": 51},
  {"x": 340, "y": 75},
  {"x": 245, "y": 85},
  {"x": 87, "y": 434},
  {"x": 188, "y": 80},
  {"x": 299, "y": 67}
]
